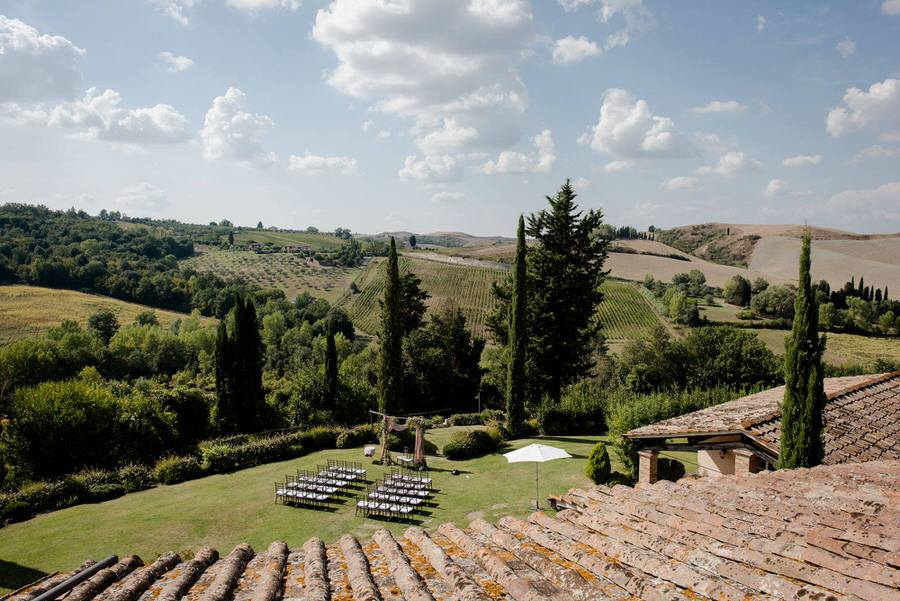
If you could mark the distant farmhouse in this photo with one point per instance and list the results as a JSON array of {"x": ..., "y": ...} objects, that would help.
[{"x": 861, "y": 419}]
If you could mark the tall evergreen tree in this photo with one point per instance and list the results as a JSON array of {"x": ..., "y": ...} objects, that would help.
[
  {"x": 804, "y": 388},
  {"x": 330, "y": 388},
  {"x": 565, "y": 270},
  {"x": 518, "y": 336},
  {"x": 224, "y": 414},
  {"x": 390, "y": 359}
]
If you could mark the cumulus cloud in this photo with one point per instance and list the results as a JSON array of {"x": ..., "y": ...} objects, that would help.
[
  {"x": 98, "y": 116},
  {"x": 846, "y": 47},
  {"x": 627, "y": 129},
  {"x": 142, "y": 199},
  {"x": 36, "y": 67},
  {"x": 230, "y": 132},
  {"x": 445, "y": 196},
  {"x": 571, "y": 49},
  {"x": 435, "y": 168},
  {"x": 682, "y": 182},
  {"x": 449, "y": 66},
  {"x": 636, "y": 16},
  {"x": 776, "y": 187},
  {"x": 730, "y": 164},
  {"x": 175, "y": 63},
  {"x": 713, "y": 143},
  {"x": 877, "y": 109},
  {"x": 540, "y": 161},
  {"x": 616, "y": 166},
  {"x": 732, "y": 107},
  {"x": 881, "y": 203},
  {"x": 582, "y": 183},
  {"x": 760, "y": 22},
  {"x": 365, "y": 125},
  {"x": 178, "y": 9},
  {"x": 252, "y": 6},
  {"x": 311, "y": 163},
  {"x": 891, "y": 7},
  {"x": 802, "y": 160}
]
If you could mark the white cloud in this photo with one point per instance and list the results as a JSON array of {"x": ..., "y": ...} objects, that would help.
[
  {"x": 876, "y": 152},
  {"x": 582, "y": 183},
  {"x": 449, "y": 66},
  {"x": 802, "y": 160},
  {"x": 175, "y": 9},
  {"x": 311, "y": 163},
  {"x": 435, "y": 168},
  {"x": 627, "y": 129},
  {"x": 891, "y": 7},
  {"x": 450, "y": 137},
  {"x": 384, "y": 133},
  {"x": 175, "y": 63},
  {"x": 366, "y": 125},
  {"x": 720, "y": 106},
  {"x": 99, "y": 116},
  {"x": 881, "y": 203},
  {"x": 616, "y": 166},
  {"x": 36, "y": 67},
  {"x": 571, "y": 49},
  {"x": 570, "y": 5},
  {"x": 541, "y": 161},
  {"x": 846, "y": 47},
  {"x": 142, "y": 200},
  {"x": 252, "y": 6},
  {"x": 229, "y": 132},
  {"x": 445, "y": 196},
  {"x": 877, "y": 109},
  {"x": 760, "y": 22},
  {"x": 637, "y": 17},
  {"x": 776, "y": 187},
  {"x": 730, "y": 164},
  {"x": 681, "y": 182}
]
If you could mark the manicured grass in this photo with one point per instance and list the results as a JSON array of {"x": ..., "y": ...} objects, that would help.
[
  {"x": 31, "y": 310},
  {"x": 224, "y": 510},
  {"x": 284, "y": 271}
]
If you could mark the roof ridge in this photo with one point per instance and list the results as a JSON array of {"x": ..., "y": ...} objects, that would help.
[{"x": 864, "y": 384}]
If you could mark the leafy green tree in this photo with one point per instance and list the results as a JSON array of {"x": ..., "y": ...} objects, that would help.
[
  {"x": 738, "y": 290},
  {"x": 259, "y": 225},
  {"x": 231, "y": 238},
  {"x": 775, "y": 301},
  {"x": 565, "y": 270},
  {"x": 390, "y": 359},
  {"x": 598, "y": 465},
  {"x": 804, "y": 389},
  {"x": 331, "y": 387},
  {"x": 828, "y": 316},
  {"x": 760, "y": 284},
  {"x": 518, "y": 336},
  {"x": 412, "y": 240},
  {"x": 146, "y": 318},
  {"x": 104, "y": 324}
]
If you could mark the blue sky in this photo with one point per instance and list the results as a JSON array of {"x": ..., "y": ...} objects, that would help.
[{"x": 430, "y": 115}]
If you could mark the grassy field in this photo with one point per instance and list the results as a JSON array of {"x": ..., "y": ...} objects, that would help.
[
  {"x": 285, "y": 271},
  {"x": 317, "y": 241},
  {"x": 841, "y": 349},
  {"x": 30, "y": 310},
  {"x": 224, "y": 510}
]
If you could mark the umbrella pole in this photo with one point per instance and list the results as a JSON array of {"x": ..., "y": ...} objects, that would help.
[{"x": 537, "y": 495}]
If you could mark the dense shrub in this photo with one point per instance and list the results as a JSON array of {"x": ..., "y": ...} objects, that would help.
[
  {"x": 669, "y": 469},
  {"x": 134, "y": 477},
  {"x": 598, "y": 465},
  {"x": 174, "y": 469},
  {"x": 571, "y": 419},
  {"x": 357, "y": 436},
  {"x": 628, "y": 411},
  {"x": 476, "y": 419},
  {"x": 319, "y": 437},
  {"x": 469, "y": 444},
  {"x": 219, "y": 457}
]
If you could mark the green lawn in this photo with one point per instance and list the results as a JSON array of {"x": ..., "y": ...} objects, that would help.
[{"x": 224, "y": 510}]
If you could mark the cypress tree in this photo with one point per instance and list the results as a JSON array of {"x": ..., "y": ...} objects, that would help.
[
  {"x": 390, "y": 359},
  {"x": 224, "y": 410},
  {"x": 862, "y": 285},
  {"x": 804, "y": 389},
  {"x": 330, "y": 388},
  {"x": 565, "y": 270},
  {"x": 518, "y": 337},
  {"x": 248, "y": 365}
]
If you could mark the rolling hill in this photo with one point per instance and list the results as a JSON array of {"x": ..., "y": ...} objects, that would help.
[{"x": 30, "y": 310}]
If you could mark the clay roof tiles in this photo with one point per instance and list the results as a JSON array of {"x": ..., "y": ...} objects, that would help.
[{"x": 831, "y": 532}]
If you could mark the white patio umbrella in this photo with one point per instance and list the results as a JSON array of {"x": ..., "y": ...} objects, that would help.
[{"x": 538, "y": 453}]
